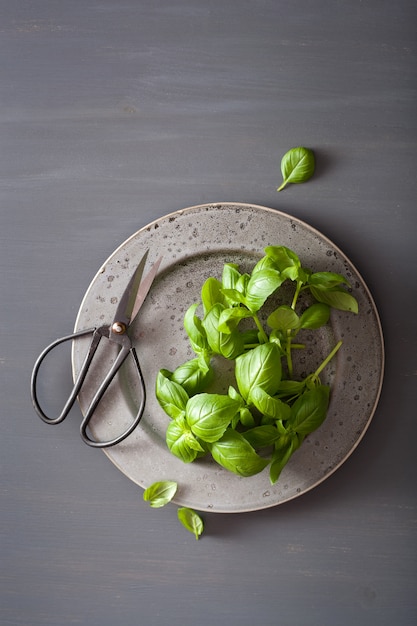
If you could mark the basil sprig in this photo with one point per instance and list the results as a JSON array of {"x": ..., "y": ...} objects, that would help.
[{"x": 265, "y": 416}]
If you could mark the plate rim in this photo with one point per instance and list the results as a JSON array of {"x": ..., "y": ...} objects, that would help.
[{"x": 293, "y": 219}]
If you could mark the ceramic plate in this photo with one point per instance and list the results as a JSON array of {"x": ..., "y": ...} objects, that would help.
[{"x": 195, "y": 243}]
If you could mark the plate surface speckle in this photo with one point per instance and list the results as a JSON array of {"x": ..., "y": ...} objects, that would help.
[{"x": 195, "y": 243}]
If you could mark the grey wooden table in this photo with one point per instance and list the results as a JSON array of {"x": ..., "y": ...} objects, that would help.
[{"x": 114, "y": 114}]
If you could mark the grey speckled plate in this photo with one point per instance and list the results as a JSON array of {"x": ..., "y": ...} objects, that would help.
[{"x": 196, "y": 242}]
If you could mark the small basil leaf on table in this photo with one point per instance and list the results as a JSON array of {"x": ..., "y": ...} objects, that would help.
[
  {"x": 160, "y": 493},
  {"x": 191, "y": 521},
  {"x": 297, "y": 166}
]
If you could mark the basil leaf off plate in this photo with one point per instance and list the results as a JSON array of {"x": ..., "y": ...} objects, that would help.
[{"x": 196, "y": 243}]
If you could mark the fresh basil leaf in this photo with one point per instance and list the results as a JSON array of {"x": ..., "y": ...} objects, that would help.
[
  {"x": 265, "y": 263},
  {"x": 171, "y": 396},
  {"x": 242, "y": 283},
  {"x": 228, "y": 345},
  {"x": 236, "y": 454},
  {"x": 233, "y": 297},
  {"x": 315, "y": 316},
  {"x": 191, "y": 521},
  {"x": 283, "y": 318},
  {"x": 269, "y": 405},
  {"x": 211, "y": 294},
  {"x": 297, "y": 166},
  {"x": 309, "y": 410},
  {"x": 261, "y": 285},
  {"x": 193, "y": 375},
  {"x": 290, "y": 389},
  {"x": 230, "y": 276},
  {"x": 326, "y": 280},
  {"x": 160, "y": 493},
  {"x": 230, "y": 318},
  {"x": 260, "y": 367},
  {"x": 261, "y": 436},
  {"x": 195, "y": 331},
  {"x": 335, "y": 297},
  {"x": 181, "y": 441},
  {"x": 283, "y": 257},
  {"x": 246, "y": 418},
  {"x": 280, "y": 458},
  {"x": 209, "y": 414}
]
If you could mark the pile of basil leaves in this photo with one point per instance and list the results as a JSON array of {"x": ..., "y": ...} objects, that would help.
[{"x": 265, "y": 416}]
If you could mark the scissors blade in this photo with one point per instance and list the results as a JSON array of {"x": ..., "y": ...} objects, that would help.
[
  {"x": 144, "y": 288},
  {"x": 127, "y": 302}
]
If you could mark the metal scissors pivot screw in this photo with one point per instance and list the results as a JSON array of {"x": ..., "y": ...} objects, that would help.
[{"x": 117, "y": 333}]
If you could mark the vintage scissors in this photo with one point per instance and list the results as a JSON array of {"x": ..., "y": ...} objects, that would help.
[{"x": 117, "y": 333}]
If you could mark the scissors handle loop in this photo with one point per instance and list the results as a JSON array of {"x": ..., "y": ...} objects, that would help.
[
  {"x": 121, "y": 357},
  {"x": 126, "y": 348},
  {"x": 78, "y": 383}
]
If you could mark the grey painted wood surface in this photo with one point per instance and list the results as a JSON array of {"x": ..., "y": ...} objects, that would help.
[{"x": 114, "y": 114}]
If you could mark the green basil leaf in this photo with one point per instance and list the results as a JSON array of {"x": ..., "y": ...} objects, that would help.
[
  {"x": 193, "y": 375},
  {"x": 326, "y": 280},
  {"x": 211, "y": 294},
  {"x": 246, "y": 418},
  {"x": 269, "y": 405},
  {"x": 230, "y": 318},
  {"x": 233, "y": 296},
  {"x": 261, "y": 285},
  {"x": 279, "y": 460},
  {"x": 229, "y": 344},
  {"x": 315, "y": 316},
  {"x": 290, "y": 389},
  {"x": 236, "y": 454},
  {"x": 170, "y": 395},
  {"x": 335, "y": 297},
  {"x": 309, "y": 410},
  {"x": 260, "y": 367},
  {"x": 265, "y": 263},
  {"x": 209, "y": 414},
  {"x": 195, "y": 330},
  {"x": 297, "y": 166},
  {"x": 283, "y": 257},
  {"x": 181, "y": 441},
  {"x": 283, "y": 318},
  {"x": 230, "y": 276},
  {"x": 191, "y": 521},
  {"x": 261, "y": 436},
  {"x": 242, "y": 283},
  {"x": 160, "y": 493}
]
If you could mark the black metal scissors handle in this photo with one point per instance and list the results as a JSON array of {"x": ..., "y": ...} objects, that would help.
[{"x": 126, "y": 348}]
